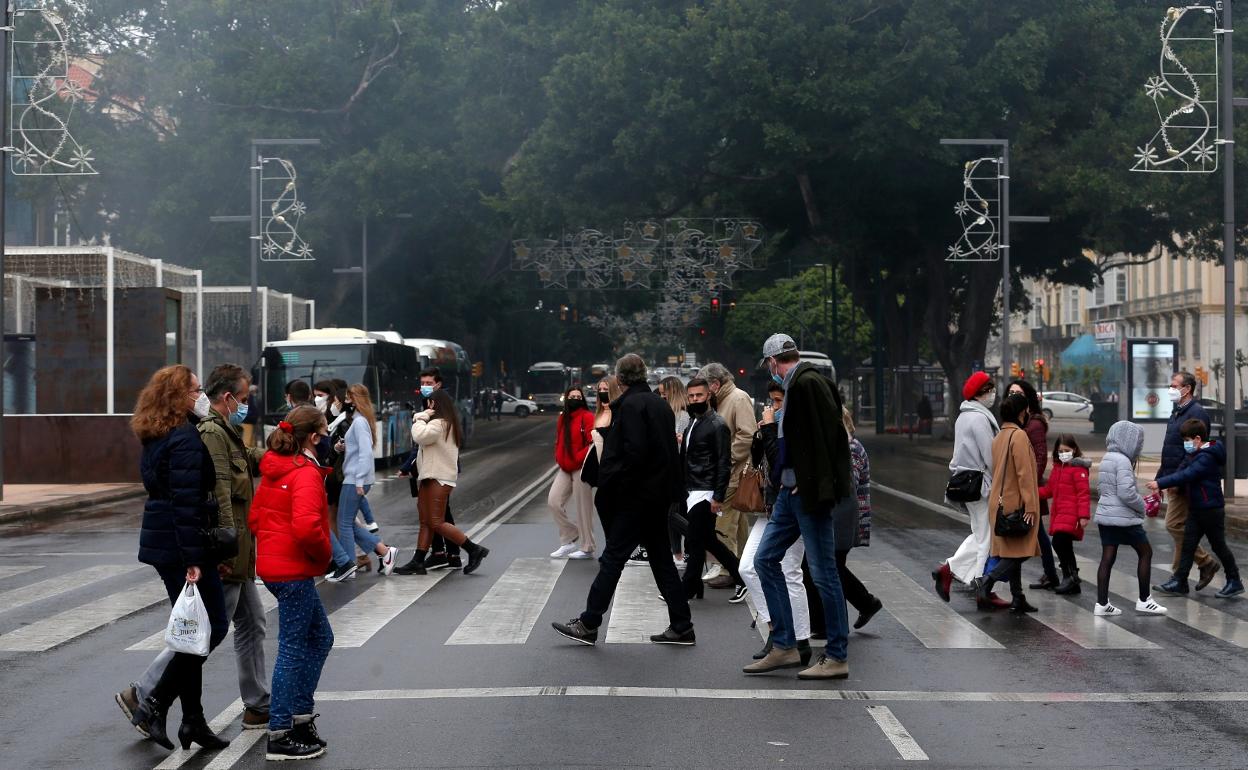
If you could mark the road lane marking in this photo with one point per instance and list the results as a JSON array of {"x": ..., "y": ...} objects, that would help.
[
  {"x": 932, "y": 621},
  {"x": 513, "y": 605},
  {"x": 17, "y": 569},
  {"x": 896, "y": 733},
  {"x": 688, "y": 693},
  {"x": 637, "y": 612},
  {"x": 1081, "y": 626},
  {"x": 943, "y": 510},
  {"x": 221, "y": 721},
  {"x": 1188, "y": 612},
  {"x": 363, "y": 617},
  {"x": 62, "y": 584},
  {"x": 239, "y": 746},
  {"x": 156, "y": 642},
  {"x": 64, "y": 626}
]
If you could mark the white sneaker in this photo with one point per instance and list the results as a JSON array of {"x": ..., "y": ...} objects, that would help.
[
  {"x": 1106, "y": 609},
  {"x": 564, "y": 551},
  {"x": 374, "y": 527},
  {"x": 387, "y": 561},
  {"x": 1150, "y": 607},
  {"x": 581, "y": 555},
  {"x": 714, "y": 572}
]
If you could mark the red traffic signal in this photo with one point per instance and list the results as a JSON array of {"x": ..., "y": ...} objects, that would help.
[{"x": 714, "y": 305}]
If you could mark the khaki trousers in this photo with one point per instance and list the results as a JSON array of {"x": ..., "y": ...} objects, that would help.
[
  {"x": 1176, "y": 518},
  {"x": 566, "y": 486},
  {"x": 732, "y": 526}
]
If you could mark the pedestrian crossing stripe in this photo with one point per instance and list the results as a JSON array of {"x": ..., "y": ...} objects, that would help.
[
  {"x": 62, "y": 584},
  {"x": 156, "y": 642},
  {"x": 513, "y": 604},
  {"x": 933, "y": 622},
  {"x": 17, "y": 569},
  {"x": 637, "y": 611},
  {"x": 62, "y": 627}
]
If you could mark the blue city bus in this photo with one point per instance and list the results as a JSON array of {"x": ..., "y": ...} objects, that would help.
[
  {"x": 545, "y": 382},
  {"x": 455, "y": 367}
]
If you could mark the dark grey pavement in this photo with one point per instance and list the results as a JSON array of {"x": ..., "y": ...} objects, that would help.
[{"x": 932, "y": 684}]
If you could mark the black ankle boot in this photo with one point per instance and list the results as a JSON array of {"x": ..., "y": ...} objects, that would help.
[
  {"x": 766, "y": 648},
  {"x": 1070, "y": 582},
  {"x": 1020, "y": 605},
  {"x": 476, "y": 555},
  {"x": 414, "y": 567},
  {"x": 151, "y": 716},
  {"x": 196, "y": 730}
]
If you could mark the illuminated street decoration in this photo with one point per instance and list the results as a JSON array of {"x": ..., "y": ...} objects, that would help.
[
  {"x": 1184, "y": 93},
  {"x": 279, "y": 231},
  {"x": 980, "y": 213},
  {"x": 44, "y": 97}
]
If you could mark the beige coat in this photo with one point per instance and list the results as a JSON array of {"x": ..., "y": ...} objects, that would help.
[
  {"x": 737, "y": 410},
  {"x": 439, "y": 457},
  {"x": 1014, "y": 485}
]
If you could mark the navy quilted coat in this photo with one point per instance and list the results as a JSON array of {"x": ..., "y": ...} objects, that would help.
[{"x": 179, "y": 476}]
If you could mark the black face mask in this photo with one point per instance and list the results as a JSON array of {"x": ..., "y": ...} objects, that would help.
[
  {"x": 697, "y": 410},
  {"x": 572, "y": 404}
]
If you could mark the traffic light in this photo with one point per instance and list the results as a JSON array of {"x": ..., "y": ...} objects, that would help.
[
  {"x": 1202, "y": 375},
  {"x": 714, "y": 306},
  {"x": 563, "y": 312},
  {"x": 732, "y": 305},
  {"x": 702, "y": 332},
  {"x": 478, "y": 369}
]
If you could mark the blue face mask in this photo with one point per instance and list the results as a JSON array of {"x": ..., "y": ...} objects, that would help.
[
  {"x": 236, "y": 418},
  {"x": 426, "y": 390},
  {"x": 777, "y": 379},
  {"x": 1189, "y": 446}
]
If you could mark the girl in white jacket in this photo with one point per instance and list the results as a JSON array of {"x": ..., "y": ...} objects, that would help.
[{"x": 438, "y": 434}]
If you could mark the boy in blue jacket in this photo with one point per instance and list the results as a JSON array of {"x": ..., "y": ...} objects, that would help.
[{"x": 1200, "y": 476}]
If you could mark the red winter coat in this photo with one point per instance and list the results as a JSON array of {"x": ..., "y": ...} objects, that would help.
[
  {"x": 290, "y": 518},
  {"x": 1068, "y": 489},
  {"x": 571, "y": 458}
]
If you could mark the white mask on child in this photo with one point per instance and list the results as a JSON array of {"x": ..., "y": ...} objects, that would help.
[{"x": 1065, "y": 457}]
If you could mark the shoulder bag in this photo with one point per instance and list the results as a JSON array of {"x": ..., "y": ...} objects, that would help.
[
  {"x": 589, "y": 470},
  {"x": 749, "y": 498},
  {"x": 965, "y": 486},
  {"x": 1009, "y": 524}
]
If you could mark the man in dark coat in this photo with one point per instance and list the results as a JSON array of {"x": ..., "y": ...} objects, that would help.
[
  {"x": 639, "y": 477},
  {"x": 813, "y": 473},
  {"x": 1183, "y": 395}
]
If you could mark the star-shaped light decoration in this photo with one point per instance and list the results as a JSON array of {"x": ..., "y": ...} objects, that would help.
[
  {"x": 1146, "y": 156},
  {"x": 1155, "y": 87},
  {"x": 1203, "y": 153}
]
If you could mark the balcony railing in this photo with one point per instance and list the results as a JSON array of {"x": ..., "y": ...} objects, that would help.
[{"x": 1177, "y": 300}]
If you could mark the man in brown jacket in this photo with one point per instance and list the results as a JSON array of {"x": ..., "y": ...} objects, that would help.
[
  {"x": 736, "y": 408},
  {"x": 236, "y": 466}
]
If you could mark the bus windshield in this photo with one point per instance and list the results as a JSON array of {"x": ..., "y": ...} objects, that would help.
[
  {"x": 314, "y": 363},
  {"x": 545, "y": 382}
]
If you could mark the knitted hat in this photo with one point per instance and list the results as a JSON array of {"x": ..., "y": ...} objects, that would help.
[{"x": 973, "y": 385}]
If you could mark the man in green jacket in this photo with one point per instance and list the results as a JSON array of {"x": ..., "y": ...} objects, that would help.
[{"x": 236, "y": 467}]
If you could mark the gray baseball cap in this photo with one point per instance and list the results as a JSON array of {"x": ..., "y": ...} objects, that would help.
[{"x": 777, "y": 344}]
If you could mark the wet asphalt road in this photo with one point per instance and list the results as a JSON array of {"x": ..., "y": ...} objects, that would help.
[{"x": 933, "y": 684}]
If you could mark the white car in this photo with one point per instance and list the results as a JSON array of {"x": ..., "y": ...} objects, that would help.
[
  {"x": 520, "y": 407},
  {"x": 1065, "y": 405}
]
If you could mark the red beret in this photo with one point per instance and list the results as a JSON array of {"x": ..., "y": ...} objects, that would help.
[{"x": 973, "y": 384}]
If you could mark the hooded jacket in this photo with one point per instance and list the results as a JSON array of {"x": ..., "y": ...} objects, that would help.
[
  {"x": 1121, "y": 504},
  {"x": 973, "y": 433},
  {"x": 290, "y": 518},
  {"x": 1068, "y": 489},
  {"x": 1200, "y": 475}
]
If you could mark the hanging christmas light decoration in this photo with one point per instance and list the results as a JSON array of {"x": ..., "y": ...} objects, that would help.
[
  {"x": 1184, "y": 93},
  {"x": 279, "y": 232},
  {"x": 980, "y": 213},
  {"x": 45, "y": 92}
]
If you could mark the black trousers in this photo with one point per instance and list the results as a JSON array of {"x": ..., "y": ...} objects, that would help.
[
  {"x": 440, "y": 544},
  {"x": 702, "y": 539},
  {"x": 856, "y": 594},
  {"x": 1008, "y": 568},
  {"x": 1064, "y": 547},
  {"x": 1209, "y": 523},
  {"x": 183, "y": 677},
  {"x": 629, "y": 528}
]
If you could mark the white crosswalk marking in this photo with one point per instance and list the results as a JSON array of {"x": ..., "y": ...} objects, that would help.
[
  {"x": 61, "y": 584},
  {"x": 897, "y": 734},
  {"x": 156, "y": 642},
  {"x": 223, "y": 720},
  {"x": 1081, "y": 626},
  {"x": 1191, "y": 613},
  {"x": 360, "y": 619},
  {"x": 933, "y": 622},
  {"x": 637, "y": 612},
  {"x": 513, "y": 604},
  {"x": 17, "y": 569},
  {"x": 64, "y": 626},
  {"x": 239, "y": 746}
]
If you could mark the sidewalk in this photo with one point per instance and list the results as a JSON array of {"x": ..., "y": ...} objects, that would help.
[
  {"x": 938, "y": 451},
  {"x": 30, "y": 501}
]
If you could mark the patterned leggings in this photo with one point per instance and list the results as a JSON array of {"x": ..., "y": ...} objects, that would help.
[{"x": 303, "y": 643}]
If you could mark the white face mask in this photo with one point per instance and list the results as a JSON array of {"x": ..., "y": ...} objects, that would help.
[
  {"x": 1065, "y": 457},
  {"x": 202, "y": 406},
  {"x": 320, "y": 402},
  {"x": 988, "y": 398},
  {"x": 335, "y": 410},
  {"x": 1175, "y": 394}
]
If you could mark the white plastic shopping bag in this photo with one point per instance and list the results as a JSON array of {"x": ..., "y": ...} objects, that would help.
[{"x": 189, "y": 628}]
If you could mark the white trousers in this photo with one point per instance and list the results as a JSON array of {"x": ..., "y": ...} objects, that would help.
[
  {"x": 791, "y": 565},
  {"x": 565, "y": 486},
  {"x": 967, "y": 563}
]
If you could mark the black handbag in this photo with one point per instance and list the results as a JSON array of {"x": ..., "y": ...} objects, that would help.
[
  {"x": 589, "y": 471},
  {"x": 965, "y": 486},
  {"x": 222, "y": 542},
  {"x": 1010, "y": 524}
]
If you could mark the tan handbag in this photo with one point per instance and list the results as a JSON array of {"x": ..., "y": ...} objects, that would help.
[{"x": 749, "y": 497}]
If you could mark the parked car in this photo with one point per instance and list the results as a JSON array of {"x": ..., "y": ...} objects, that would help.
[
  {"x": 1065, "y": 405},
  {"x": 520, "y": 407}
]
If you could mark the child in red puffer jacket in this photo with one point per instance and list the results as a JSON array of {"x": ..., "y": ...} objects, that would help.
[{"x": 1070, "y": 509}]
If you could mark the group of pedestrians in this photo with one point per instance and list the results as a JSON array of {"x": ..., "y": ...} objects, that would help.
[
  {"x": 665, "y": 471},
  {"x": 997, "y": 479}
]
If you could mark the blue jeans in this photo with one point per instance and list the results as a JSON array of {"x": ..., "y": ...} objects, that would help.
[
  {"x": 304, "y": 640},
  {"x": 349, "y": 503},
  {"x": 788, "y": 522}
]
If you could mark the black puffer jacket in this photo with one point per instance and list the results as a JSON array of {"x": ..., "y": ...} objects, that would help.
[
  {"x": 179, "y": 476},
  {"x": 707, "y": 454}
]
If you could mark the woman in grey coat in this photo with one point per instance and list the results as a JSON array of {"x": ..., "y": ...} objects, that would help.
[{"x": 1120, "y": 516}]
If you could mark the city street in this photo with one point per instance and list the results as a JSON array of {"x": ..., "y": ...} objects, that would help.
[{"x": 450, "y": 670}]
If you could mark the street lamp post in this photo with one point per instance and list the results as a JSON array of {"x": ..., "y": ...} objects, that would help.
[{"x": 362, "y": 268}]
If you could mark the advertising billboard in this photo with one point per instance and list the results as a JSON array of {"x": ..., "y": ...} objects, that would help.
[{"x": 1151, "y": 362}]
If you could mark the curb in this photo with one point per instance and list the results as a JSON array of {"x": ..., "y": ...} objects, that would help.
[{"x": 63, "y": 508}]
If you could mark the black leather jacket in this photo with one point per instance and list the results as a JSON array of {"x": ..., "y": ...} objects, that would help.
[{"x": 707, "y": 455}]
